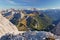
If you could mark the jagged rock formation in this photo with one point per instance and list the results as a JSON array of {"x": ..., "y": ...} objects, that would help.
[{"x": 6, "y": 26}]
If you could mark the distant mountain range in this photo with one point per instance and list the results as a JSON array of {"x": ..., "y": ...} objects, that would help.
[
  {"x": 53, "y": 13},
  {"x": 47, "y": 20}
]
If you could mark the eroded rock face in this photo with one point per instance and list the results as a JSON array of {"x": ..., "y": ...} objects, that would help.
[{"x": 6, "y": 26}]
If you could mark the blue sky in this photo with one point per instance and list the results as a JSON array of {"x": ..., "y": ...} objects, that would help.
[{"x": 29, "y": 4}]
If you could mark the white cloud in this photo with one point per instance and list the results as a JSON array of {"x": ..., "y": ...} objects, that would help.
[
  {"x": 29, "y": 0},
  {"x": 11, "y": 2}
]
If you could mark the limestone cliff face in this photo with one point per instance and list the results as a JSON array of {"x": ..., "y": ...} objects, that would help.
[{"x": 6, "y": 26}]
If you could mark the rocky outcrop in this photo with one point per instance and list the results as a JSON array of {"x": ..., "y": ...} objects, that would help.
[
  {"x": 56, "y": 29},
  {"x": 31, "y": 35},
  {"x": 6, "y": 26}
]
